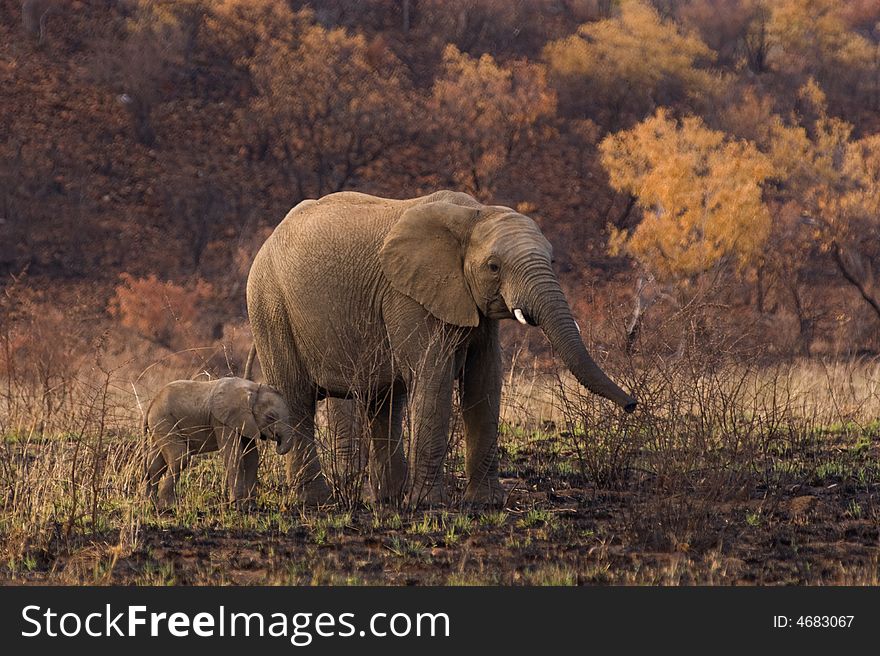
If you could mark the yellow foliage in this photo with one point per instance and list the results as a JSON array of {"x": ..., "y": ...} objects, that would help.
[
  {"x": 813, "y": 94},
  {"x": 862, "y": 169},
  {"x": 637, "y": 48},
  {"x": 831, "y": 177},
  {"x": 809, "y": 31},
  {"x": 700, "y": 193}
]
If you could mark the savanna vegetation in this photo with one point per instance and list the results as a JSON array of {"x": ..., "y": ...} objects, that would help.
[{"x": 708, "y": 172}]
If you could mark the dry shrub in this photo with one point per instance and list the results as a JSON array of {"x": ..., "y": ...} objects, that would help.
[
  {"x": 713, "y": 427},
  {"x": 41, "y": 355},
  {"x": 163, "y": 312},
  {"x": 57, "y": 487},
  {"x": 716, "y": 426}
]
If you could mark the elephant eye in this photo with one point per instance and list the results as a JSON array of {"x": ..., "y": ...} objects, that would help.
[{"x": 494, "y": 267}]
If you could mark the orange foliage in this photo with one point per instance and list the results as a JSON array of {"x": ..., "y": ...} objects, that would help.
[
  {"x": 330, "y": 104},
  {"x": 486, "y": 114},
  {"x": 700, "y": 194},
  {"x": 163, "y": 312},
  {"x": 165, "y": 135}
]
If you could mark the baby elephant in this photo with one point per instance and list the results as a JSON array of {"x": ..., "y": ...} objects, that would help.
[{"x": 190, "y": 417}]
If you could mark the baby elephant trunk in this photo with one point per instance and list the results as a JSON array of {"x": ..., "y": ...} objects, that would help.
[{"x": 284, "y": 439}]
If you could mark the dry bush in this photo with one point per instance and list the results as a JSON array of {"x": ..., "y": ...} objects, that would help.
[
  {"x": 41, "y": 356},
  {"x": 62, "y": 475},
  {"x": 163, "y": 312},
  {"x": 713, "y": 427}
]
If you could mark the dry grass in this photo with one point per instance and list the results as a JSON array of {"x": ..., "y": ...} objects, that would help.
[{"x": 724, "y": 462}]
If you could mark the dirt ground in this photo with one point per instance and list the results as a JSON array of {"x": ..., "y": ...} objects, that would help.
[
  {"x": 815, "y": 521},
  {"x": 569, "y": 537}
]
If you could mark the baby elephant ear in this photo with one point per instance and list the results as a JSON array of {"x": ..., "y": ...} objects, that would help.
[
  {"x": 423, "y": 257},
  {"x": 233, "y": 408}
]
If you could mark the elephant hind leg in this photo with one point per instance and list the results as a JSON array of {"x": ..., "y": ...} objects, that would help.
[
  {"x": 388, "y": 468},
  {"x": 302, "y": 464},
  {"x": 155, "y": 471},
  {"x": 284, "y": 371},
  {"x": 176, "y": 459}
]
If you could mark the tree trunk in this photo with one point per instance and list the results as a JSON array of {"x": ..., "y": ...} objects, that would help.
[
  {"x": 406, "y": 6},
  {"x": 805, "y": 322},
  {"x": 849, "y": 274}
]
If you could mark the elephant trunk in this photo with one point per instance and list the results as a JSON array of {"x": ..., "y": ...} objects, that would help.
[
  {"x": 548, "y": 309},
  {"x": 285, "y": 436}
]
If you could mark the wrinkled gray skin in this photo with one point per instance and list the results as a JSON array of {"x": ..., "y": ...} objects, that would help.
[
  {"x": 392, "y": 302},
  {"x": 188, "y": 418}
]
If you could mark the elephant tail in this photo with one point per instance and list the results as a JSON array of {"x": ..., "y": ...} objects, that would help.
[
  {"x": 145, "y": 422},
  {"x": 145, "y": 431},
  {"x": 249, "y": 365}
]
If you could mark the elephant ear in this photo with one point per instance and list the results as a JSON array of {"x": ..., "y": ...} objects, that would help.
[
  {"x": 423, "y": 257},
  {"x": 233, "y": 408}
]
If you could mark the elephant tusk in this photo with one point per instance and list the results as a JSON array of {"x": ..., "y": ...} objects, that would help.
[
  {"x": 578, "y": 327},
  {"x": 520, "y": 317}
]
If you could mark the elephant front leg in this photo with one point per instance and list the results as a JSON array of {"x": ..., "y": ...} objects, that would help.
[
  {"x": 250, "y": 462},
  {"x": 430, "y": 406},
  {"x": 239, "y": 455},
  {"x": 480, "y": 387}
]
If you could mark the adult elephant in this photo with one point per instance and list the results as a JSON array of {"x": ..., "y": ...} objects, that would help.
[{"x": 391, "y": 302}]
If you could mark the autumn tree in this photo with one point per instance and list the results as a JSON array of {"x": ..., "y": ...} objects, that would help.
[
  {"x": 235, "y": 28},
  {"x": 161, "y": 311},
  {"x": 861, "y": 15},
  {"x": 627, "y": 65},
  {"x": 329, "y": 104},
  {"x": 517, "y": 28},
  {"x": 855, "y": 249},
  {"x": 811, "y": 38},
  {"x": 145, "y": 63},
  {"x": 202, "y": 210},
  {"x": 735, "y": 29},
  {"x": 700, "y": 194},
  {"x": 822, "y": 199},
  {"x": 833, "y": 180},
  {"x": 486, "y": 116}
]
